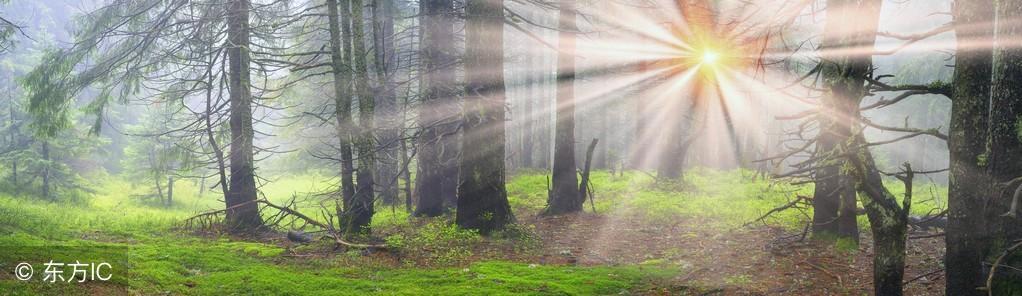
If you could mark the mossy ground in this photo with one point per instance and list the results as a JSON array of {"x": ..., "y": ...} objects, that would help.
[{"x": 153, "y": 255}]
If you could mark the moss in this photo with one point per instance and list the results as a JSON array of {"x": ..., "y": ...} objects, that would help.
[{"x": 151, "y": 258}]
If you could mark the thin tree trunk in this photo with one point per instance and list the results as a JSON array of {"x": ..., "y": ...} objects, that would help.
[
  {"x": 483, "y": 203},
  {"x": 359, "y": 214},
  {"x": 170, "y": 191},
  {"x": 565, "y": 196},
  {"x": 159, "y": 189},
  {"x": 342, "y": 102},
  {"x": 967, "y": 143},
  {"x": 218, "y": 153},
  {"x": 46, "y": 170},
  {"x": 242, "y": 210},
  {"x": 14, "y": 144}
]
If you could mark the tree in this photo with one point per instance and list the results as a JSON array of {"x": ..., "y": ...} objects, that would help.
[
  {"x": 242, "y": 210},
  {"x": 437, "y": 176},
  {"x": 565, "y": 196},
  {"x": 183, "y": 49},
  {"x": 888, "y": 221},
  {"x": 155, "y": 157},
  {"x": 359, "y": 212},
  {"x": 342, "y": 100},
  {"x": 967, "y": 146},
  {"x": 388, "y": 116},
  {"x": 482, "y": 200},
  {"x": 849, "y": 24},
  {"x": 1004, "y": 145},
  {"x": 7, "y": 31}
]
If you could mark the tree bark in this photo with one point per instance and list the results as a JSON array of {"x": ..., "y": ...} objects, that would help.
[
  {"x": 1004, "y": 155},
  {"x": 388, "y": 117},
  {"x": 242, "y": 210},
  {"x": 359, "y": 213},
  {"x": 342, "y": 100},
  {"x": 850, "y": 24},
  {"x": 967, "y": 185},
  {"x": 46, "y": 170},
  {"x": 170, "y": 191},
  {"x": 483, "y": 203},
  {"x": 437, "y": 174},
  {"x": 565, "y": 196},
  {"x": 888, "y": 221}
]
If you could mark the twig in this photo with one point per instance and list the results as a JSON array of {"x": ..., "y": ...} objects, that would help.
[
  {"x": 922, "y": 276},
  {"x": 824, "y": 270},
  {"x": 993, "y": 268}
]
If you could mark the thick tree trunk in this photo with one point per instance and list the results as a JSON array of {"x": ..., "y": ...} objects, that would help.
[
  {"x": 242, "y": 210},
  {"x": 482, "y": 203},
  {"x": 437, "y": 173},
  {"x": 1004, "y": 157},
  {"x": 850, "y": 24},
  {"x": 359, "y": 213},
  {"x": 342, "y": 100},
  {"x": 565, "y": 196},
  {"x": 388, "y": 117},
  {"x": 967, "y": 143}
]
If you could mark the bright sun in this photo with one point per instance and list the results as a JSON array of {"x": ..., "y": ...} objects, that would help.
[{"x": 710, "y": 57}]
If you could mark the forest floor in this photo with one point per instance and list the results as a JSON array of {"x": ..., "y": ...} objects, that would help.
[{"x": 644, "y": 238}]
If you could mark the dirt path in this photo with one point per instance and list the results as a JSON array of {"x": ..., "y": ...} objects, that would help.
[{"x": 736, "y": 262}]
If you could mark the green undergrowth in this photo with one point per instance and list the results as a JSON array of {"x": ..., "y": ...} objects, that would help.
[
  {"x": 720, "y": 199},
  {"x": 151, "y": 255},
  {"x": 184, "y": 265}
]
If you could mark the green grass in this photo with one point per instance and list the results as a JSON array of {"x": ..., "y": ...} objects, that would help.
[
  {"x": 151, "y": 257},
  {"x": 724, "y": 199}
]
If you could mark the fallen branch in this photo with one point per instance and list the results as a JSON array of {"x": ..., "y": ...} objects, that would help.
[
  {"x": 922, "y": 276},
  {"x": 206, "y": 220},
  {"x": 824, "y": 270},
  {"x": 792, "y": 204},
  {"x": 333, "y": 232},
  {"x": 993, "y": 268}
]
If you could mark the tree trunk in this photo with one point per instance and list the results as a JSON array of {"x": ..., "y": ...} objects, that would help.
[
  {"x": 14, "y": 144},
  {"x": 967, "y": 144},
  {"x": 46, "y": 170},
  {"x": 159, "y": 189},
  {"x": 242, "y": 210},
  {"x": 482, "y": 203},
  {"x": 339, "y": 52},
  {"x": 850, "y": 24},
  {"x": 888, "y": 221},
  {"x": 1004, "y": 157},
  {"x": 565, "y": 196},
  {"x": 386, "y": 100},
  {"x": 170, "y": 191},
  {"x": 359, "y": 213},
  {"x": 437, "y": 109}
]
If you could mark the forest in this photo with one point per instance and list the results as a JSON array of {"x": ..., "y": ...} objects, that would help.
[{"x": 510, "y": 147}]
